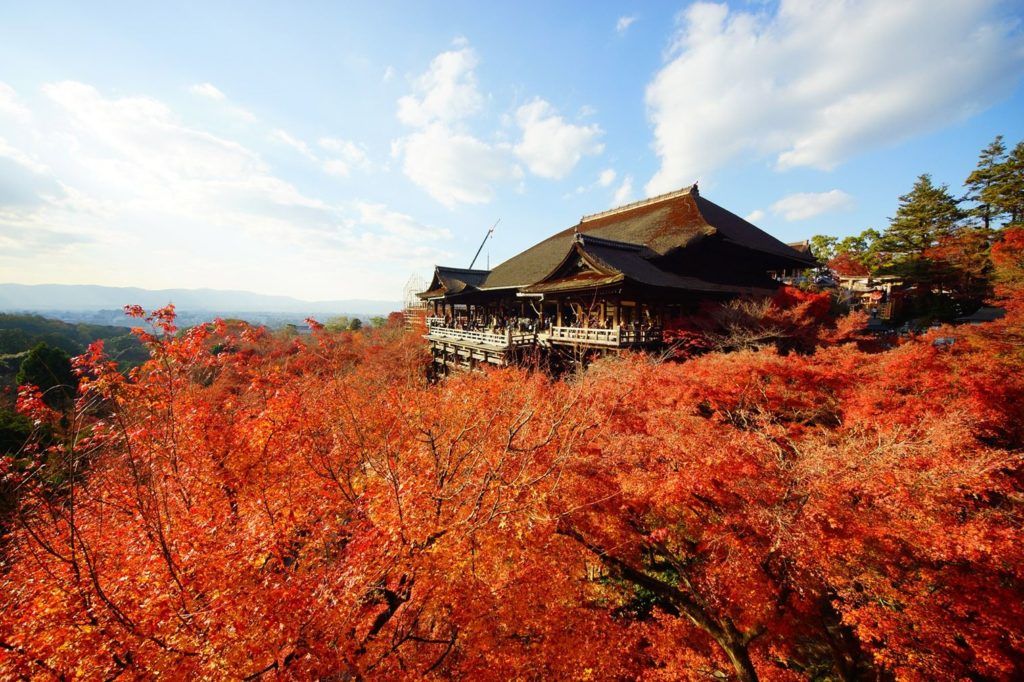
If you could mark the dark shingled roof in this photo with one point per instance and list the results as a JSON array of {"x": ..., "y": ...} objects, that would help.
[
  {"x": 453, "y": 281},
  {"x": 615, "y": 261},
  {"x": 661, "y": 224}
]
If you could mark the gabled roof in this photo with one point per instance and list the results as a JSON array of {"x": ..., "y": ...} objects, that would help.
[
  {"x": 607, "y": 261},
  {"x": 661, "y": 225},
  {"x": 802, "y": 247},
  {"x": 447, "y": 281}
]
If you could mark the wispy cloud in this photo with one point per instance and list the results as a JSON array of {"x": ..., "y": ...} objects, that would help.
[
  {"x": 624, "y": 193},
  {"x": 132, "y": 178},
  {"x": 285, "y": 138},
  {"x": 806, "y": 205},
  {"x": 208, "y": 90},
  {"x": 812, "y": 84},
  {"x": 623, "y": 24}
]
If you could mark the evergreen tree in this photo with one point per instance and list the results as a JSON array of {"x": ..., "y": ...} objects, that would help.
[
  {"x": 49, "y": 369},
  {"x": 1007, "y": 193},
  {"x": 823, "y": 247},
  {"x": 984, "y": 181},
  {"x": 925, "y": 215}
]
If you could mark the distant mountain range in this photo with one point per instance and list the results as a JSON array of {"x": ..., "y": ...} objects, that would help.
[{"x": 82, "y": 297}]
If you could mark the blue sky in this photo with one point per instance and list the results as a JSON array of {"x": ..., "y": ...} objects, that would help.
[{"x": 330, "y": 150}]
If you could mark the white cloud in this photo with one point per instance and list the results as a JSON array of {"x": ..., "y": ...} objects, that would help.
[
  {"x": 455, "y": 168},
  {"x": 445, "y": 93},
  {"x": 606, "y": 178},
  {"x": 100, "y": 186},
  {"x": 624, "y": 23},
  {"x": 440, "y": 156},
  {"x": 755, "y": 216},
  {"x": 344, "y": 154},
  {"x": 211, "y": 92},
  {"x": 347, "y": 155},
  {"x": 208, "y": 90},
  {"x": 389, "y": 74},
  {"x": 809, "y": 204},
  {"x": 11, "y": 105},
  {"x": 815, "y": 82},
  {"x": 455, "y": 165},
  {"x": 398, "y": 224},
  {"x": 624, "y": 193},
  {"x": 550, "y": 147},
  {"x": 285, "y": 138}
]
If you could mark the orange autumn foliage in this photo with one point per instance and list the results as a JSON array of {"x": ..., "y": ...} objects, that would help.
[{"x": 247, "y": 506}]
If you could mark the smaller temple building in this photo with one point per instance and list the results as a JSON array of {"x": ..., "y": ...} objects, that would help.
[{"x": 611, "y": 282}]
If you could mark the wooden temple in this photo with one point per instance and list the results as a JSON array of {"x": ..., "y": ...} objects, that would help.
[{"x": 612, "y": 282}]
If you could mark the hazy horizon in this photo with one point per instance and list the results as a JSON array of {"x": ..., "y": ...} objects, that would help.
[{"x": 45, "y": 298}]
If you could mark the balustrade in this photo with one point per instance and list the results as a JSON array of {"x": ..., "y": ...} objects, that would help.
[
  {"x": 505, "y": 339},
  {"x": 615, "y": 337}
]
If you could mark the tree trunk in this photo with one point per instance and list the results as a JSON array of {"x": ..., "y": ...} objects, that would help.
[
  {"x": 740, "y": 659},
  {"x": 734, "y": 646},
  {"x": 724, "y": 632}
]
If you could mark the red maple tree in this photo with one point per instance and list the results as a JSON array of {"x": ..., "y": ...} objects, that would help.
[{"x": 247, "y": 505}]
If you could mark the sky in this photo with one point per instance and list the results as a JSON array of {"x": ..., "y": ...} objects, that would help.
[{"x": 330, "y": 150}]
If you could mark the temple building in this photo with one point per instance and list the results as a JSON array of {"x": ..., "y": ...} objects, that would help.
[{"x": 614, "y": 281}]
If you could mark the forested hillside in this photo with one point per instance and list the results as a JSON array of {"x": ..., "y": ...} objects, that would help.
[
  {"x": 19, "y": 333},
  {"x": 245, "y": 505}
]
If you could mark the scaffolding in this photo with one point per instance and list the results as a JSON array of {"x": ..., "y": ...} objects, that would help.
[{"x": 413, "y": 309}]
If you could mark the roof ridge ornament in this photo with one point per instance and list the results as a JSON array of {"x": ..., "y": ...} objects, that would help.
[{"x": 692, "y": 189}]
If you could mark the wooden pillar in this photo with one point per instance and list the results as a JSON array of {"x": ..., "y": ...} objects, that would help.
[{"x": 558, "y": 313}]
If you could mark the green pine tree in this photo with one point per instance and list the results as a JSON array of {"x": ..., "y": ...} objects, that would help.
[
  {"x": 1007, "y": 192},
  {"x": 823, "y": 247},
  {"x": 925, "y": 215},
  {"x": 49, "y": 369},
  {"x": 984, "y": 181}
]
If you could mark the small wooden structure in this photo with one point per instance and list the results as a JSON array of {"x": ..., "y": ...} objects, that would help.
[
  {"x": 792, "y": 274},
  {"x": 609, "y": 283}
]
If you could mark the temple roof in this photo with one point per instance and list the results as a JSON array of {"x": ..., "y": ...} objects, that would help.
[
  {"x": 801, "y": 247},
  {"x": 448, "y": 281},
  {"x": 594, "y": 262},
  {"x": 661, "y": 224}
]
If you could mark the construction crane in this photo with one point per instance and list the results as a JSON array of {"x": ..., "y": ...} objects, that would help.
[{"x": 486, "y": 237}]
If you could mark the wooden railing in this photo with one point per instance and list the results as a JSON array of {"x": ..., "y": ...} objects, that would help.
[
  {"x": 505, "y": 339},
  {"x": 596, "y": 335},
  {"x": 649, "y": 335},
  {"x": 616, "y": 336}
]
